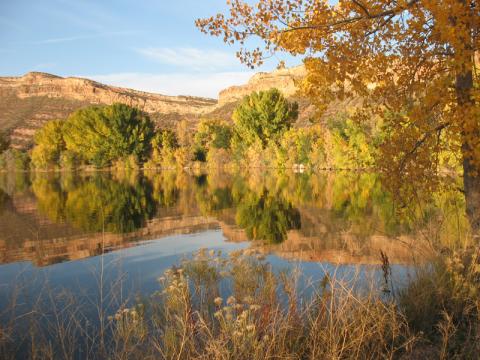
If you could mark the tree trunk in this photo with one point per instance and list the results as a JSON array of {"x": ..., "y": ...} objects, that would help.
[
  {"x": 470, "y": 139},
  {"x": 471, "y": 185}
]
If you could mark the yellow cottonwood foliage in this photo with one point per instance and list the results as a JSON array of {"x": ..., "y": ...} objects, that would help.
[{"x": 411, "y": 61}]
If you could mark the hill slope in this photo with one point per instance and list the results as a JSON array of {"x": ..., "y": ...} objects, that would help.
[{"x": 27, "y": 102}]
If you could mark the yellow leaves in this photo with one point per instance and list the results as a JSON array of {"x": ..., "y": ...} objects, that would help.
[{"x": 404, "y": 56}]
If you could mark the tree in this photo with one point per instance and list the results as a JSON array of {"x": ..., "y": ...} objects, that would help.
[
  {"x": 414, "y": 58},
  {"x": 164, "y": 144},
  {"x": 301, "y": 146},
  {"x": 213, "y": 134},
  {"x": 49, "y": 145},
  {"x": 264, "y": 117},
  {"x": 102, "y": 134}
]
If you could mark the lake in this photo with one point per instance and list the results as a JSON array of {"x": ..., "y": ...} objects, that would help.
[{"x": 61, "y": 230}]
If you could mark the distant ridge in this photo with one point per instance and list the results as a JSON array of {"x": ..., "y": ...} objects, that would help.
[{"x": 27, "y": 102}]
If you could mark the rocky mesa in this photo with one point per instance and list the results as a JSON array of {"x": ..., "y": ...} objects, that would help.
[{"x": 29, "y": 101}]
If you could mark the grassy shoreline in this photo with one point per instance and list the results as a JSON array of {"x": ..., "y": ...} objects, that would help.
[{"x": 238, "y": 307}]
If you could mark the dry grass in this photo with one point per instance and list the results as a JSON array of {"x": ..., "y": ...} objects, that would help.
[
  {"x": 237, "y": 307},
  {"x": 443, "y": 304}
]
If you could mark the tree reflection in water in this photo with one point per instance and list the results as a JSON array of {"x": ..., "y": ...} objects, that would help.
[
  {"x": 266, "y": 217},
  {"x": 265, "y": 205},
  {"x": 96, "y": 203}
]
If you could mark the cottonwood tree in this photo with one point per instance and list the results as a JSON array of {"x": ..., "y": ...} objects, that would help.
[
  {"x": 100, "y": 135},
  {"x": 263, "y": 117},
  {"x": 411, "y": 59}
]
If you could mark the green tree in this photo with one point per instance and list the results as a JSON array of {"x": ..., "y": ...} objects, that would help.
[
  {"x": 352, "y": 144},
  {"x": 301, "y": 146},
  {"x": 100, "y": 135},
  {"x": 213, "y": 134},
  {"x": 263, "y": 116},
  {"x": 185, "y": 153}
]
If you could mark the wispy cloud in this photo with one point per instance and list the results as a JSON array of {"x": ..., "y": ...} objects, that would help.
[
  {"x": 192, "y": 58},
  {"x": 86, "y": 37},
  {"x": 205, "y": 85}
]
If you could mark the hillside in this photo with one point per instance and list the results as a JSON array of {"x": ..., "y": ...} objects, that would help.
[{"x": 27, "y": 102}]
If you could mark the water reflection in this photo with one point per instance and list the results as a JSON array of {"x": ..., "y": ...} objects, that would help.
[
  {"x": 338, "y": 217},
  {"x": 266, "y": 217},
  {"x": 98, "y": 203}
]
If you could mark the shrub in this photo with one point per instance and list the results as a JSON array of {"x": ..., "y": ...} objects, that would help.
[
  {"x": 261, "y": 317},
  {"x": 443, "y": 302},
  {"x": 14, "y": 160}
]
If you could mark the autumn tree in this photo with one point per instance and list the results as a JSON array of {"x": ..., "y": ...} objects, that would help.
[
  {"x": 213, "y": 134},
  {"x": 49, "y": 145},
  {"x": 414, "y": 59}
]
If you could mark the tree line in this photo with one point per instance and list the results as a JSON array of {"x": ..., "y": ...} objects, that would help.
[{"x": 260, "y": 134}]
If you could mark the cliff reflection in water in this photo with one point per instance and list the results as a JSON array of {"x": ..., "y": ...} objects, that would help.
[{"x": 337, "y": 217}]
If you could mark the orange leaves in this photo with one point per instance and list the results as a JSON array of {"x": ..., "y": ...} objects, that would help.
[{"x": 402, "y": 55}]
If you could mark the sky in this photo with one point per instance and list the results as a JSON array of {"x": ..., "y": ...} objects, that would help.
[{"x": 149, "y": 45}]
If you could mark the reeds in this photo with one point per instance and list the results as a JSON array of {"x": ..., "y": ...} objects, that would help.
[
  {"x": 215, "y": 306},
  {"x": 264, "y": 315}
]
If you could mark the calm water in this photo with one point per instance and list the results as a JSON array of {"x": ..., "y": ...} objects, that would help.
[{"x": 60, "y": 230}]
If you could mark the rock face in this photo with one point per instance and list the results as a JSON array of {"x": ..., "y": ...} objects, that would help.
[
  {"x": 285, "y": 80},
  {"x": 27, "y": 102},
  {"x": 36, "y": 84}
]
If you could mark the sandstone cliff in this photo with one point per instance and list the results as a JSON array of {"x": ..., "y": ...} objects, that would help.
[{"x": 285, "y": 80}]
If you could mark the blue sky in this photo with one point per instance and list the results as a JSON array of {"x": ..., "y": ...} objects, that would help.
[{"x": 150, "y": 45}]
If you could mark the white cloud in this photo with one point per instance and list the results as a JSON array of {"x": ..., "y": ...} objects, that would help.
[
  {"x": 193, "y": 58},
  {"x": 205, "y": 85}
]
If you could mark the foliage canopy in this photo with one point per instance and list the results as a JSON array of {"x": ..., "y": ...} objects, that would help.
[
  {"x": 263, "y": 117},
  {"x": 414, "y": 58},
  {"x": 100, "y": 135}
]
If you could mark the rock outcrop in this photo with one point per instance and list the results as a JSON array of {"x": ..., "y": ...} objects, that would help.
[
  {"x": 37, "y": 84},
  {"x": 285, "y": 80}
]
